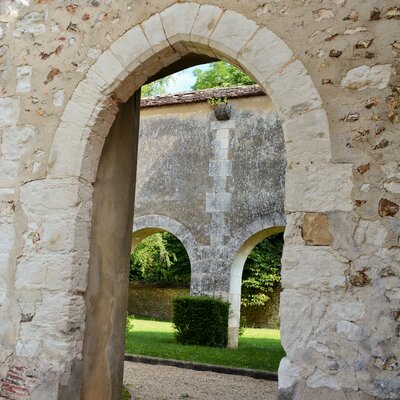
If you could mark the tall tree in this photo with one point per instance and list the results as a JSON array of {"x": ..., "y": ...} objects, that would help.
[
  {"x": 220, "y": 74},
  {"x": 156, "y": 88},
  {"x": 160, "y": 258},
  {"x": 262, "y": 271}
]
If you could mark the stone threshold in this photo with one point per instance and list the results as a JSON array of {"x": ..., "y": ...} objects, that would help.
[{"x": 252, "y": 373}]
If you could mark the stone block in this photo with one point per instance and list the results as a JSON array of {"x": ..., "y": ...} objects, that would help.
[
  {"x": 348, "y": 329},
  {"x": 316, "y": 230},
  {"x": 8, "y": 170},
  {"x": 370, "y": 233},
  {"x": 365, "y": 77},
  {"x": 288, "y": 372},
  {"x": 218, "y": 202},
  {"x": 311, "y": 267},
  {"x": 293, "y": 91},
  {"x": 109, "y": 69},
  {"x": 322, "y": 379},
  {"x": 30, "y": 24},
  {"x": 307, "y": 137},
  {"x": 178, "y": 21},
  {"x": 9, "y": 111},
  {"x": 7, "y": 234},
  {"x": 83, "y": 101},
  {"x": 264, "y": 55},
  {"x": 31, "y": 272},
  {"x": 65, "y": 159},
  {"x": 24, "y": 74},
  {"x": 16, "y": 142},
  {"x": 301, "y": 313},
  {"x": 132, "y": 48},
  {"x": 230, "y": 41},
  {"x": 348, "y": 310},
  {"x": 220, "y": 168},
  {"x": 319, "y": 187},
  {"x": 58, "y": 98},
  {"x": 53, "y": 196},
  {"x": 206, "y": 20},
  {"x": 221, "y": 139},
  {"x": 155, "y": 34},
  {"x": 3, "y": 275},
  {"x": 222, "y": 125}
]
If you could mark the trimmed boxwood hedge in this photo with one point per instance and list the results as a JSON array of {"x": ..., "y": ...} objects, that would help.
[{"x": 201, "y": 320}]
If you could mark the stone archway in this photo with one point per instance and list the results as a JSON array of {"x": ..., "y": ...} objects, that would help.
[
  {"x": 147, "y": 225},
  {"x": 313, "y": 182},
  {"x": 241, "y": 245}
]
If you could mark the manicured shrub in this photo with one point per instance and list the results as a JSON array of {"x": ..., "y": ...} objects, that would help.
[{"x": 201, "y": 320}]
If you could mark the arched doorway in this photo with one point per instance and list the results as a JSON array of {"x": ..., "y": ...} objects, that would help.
[
  {"x": 159, "y": 271},
  {"x": 272, "y": 225},
  {"x": 84, "y": 152}
]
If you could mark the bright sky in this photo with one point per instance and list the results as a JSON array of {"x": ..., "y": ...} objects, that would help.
[{"x": 183, "y": 80}]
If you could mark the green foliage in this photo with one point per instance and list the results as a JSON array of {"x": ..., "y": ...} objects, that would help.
[
  {"x": 201, "y": 320},
  {"x": 262, "y": 271},
  {"x": 125, "y": 395},
  {"x": 242, "y": 325},
  {"x": 156, "y": 88},
  {"x": 129, "y": 324},
  {"x": 214, "y": 101},
  {"x": 160, "y": 258},
  {"x": 220, "y": 74}
]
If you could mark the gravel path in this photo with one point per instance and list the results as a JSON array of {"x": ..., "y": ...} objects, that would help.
[{"x": 160, "y": 382}]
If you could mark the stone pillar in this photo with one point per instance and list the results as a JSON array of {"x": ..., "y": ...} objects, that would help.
[{"x": 107, "y": 292}]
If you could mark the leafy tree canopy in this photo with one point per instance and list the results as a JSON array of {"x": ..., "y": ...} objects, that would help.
[
  {"x": 220, "y": 74},
  {"x": 262, "y": 271},
  {"x": 156, "y": 88},
  {"x": 160, "y": 258}
]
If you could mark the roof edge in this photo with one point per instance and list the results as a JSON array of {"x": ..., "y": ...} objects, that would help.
[{"x": 202, "y": 95}]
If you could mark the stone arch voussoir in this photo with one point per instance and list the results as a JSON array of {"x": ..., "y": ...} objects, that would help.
[
  {"x": 313, "y": 182},
  {"x": 164, "y": 38}
]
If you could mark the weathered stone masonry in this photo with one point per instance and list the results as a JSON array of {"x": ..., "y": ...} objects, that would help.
[
  {"x": 67, "y": 70},
  {"x": 217, "y": 185}
]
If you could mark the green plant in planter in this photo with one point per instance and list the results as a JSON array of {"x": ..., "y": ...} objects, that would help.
[{"x": 214, "y": 101}]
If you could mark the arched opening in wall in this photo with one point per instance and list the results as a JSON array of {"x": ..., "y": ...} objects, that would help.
[
  {"x": 100, "y": 148},
  {"x": 255, "y": 286},
  {"x": 159, "y": 272},
  {"x": 206, "y": 171},
  {"x": 261, "y": 284}
]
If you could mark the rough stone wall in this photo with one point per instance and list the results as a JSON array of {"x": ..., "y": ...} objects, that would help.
[
  {"x": 216, "y": 183},
  {"x": 340, "y": 304},
  {"x": 221, "y": 180}
]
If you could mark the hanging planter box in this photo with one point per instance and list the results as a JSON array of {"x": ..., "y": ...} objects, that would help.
[{"x": 222, "y": 109}]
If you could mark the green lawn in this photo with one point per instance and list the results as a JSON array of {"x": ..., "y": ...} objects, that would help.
[{"x": 258, "y": 348}]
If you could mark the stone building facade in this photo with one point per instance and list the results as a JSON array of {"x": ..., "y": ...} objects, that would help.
[
  {"x": 217, "y": 185},
  {"x": 69, "y": 108}
]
